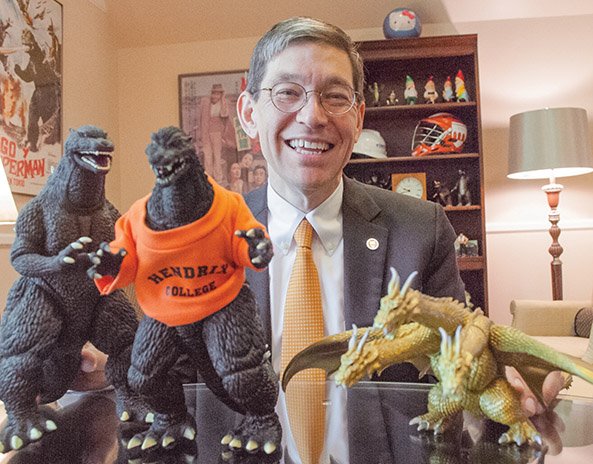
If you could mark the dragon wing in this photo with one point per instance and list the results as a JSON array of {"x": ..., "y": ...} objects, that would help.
[{"x": 533, "y": 359}]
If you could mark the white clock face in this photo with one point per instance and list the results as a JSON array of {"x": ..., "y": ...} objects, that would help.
[{"x": 410, "y": 186}]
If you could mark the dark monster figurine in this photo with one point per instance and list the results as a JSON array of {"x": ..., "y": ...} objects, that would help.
[
  {"x": 52, "y": 310},
  {"x": 185, "y": 246}
]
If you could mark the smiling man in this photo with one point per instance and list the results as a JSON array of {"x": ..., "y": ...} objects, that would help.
[{"x": 304, "y": 101}]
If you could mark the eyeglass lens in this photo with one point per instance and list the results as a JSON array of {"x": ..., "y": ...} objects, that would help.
[{"x": 290, "y": 97}]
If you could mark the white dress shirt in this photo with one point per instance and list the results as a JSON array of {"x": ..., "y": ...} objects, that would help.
[{"x": 328, "y": 255}]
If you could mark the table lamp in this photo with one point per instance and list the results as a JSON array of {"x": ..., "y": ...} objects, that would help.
[
  {"x": 547, "y": 144},
  {"x": 8, "y": 211}
]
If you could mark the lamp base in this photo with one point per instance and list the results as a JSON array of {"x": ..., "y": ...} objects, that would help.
[{"x": 553, "y": 193}]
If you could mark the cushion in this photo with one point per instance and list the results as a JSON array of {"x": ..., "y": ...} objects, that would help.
[{"x": 582, "y": 322}]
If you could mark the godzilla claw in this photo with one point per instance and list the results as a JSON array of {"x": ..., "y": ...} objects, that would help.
[
  {"x": 104, "y": 261},
  {"x": 260, "y": 247}
]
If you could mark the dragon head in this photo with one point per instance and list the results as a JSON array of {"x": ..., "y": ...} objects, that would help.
[
  {"x": 170, "y": 154},
  {"x": 358, "y": 361},
  {"x": 90, "y": 148},
  {"x": 452, "y": 366},
  {"x": 397, "y": 305}
]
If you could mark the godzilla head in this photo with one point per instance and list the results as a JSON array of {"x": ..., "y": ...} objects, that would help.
[
  {"x": 397, "y": 305},
  {"x": 90, "y": 148},
  {"x": 171, "y": 153}
]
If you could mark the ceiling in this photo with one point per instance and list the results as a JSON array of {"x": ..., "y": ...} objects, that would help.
[{"x": 139, "y": 23}]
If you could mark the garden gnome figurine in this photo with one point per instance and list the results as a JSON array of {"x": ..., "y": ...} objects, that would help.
[
  {"x": 448, "y": 95},
  {"x": 410, "y": 93},
  {"x": 460, "y": 91},
  {"x": 430, "y": 91}
]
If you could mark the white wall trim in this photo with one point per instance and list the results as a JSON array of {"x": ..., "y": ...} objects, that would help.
[{"x": 511, "y": 227}]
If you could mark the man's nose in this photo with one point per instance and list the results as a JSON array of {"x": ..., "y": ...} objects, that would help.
[{"x": 312, "y": 113}]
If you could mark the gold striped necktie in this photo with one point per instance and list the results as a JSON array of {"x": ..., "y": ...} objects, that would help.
[{"x": 303, "y": 325}]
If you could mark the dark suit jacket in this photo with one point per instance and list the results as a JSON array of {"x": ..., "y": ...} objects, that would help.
[{"x": 413, "y": 235}]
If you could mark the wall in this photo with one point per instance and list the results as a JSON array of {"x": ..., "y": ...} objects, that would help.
[
  {"x": 89, "y": 97},
  {"x": 524, "y": 65}
]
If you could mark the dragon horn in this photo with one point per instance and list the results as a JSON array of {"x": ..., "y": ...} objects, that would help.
[
  {"x": 458, "y": 340},
  {"x": 444, "y": 339},
  {"x": 363, "y": 340},
  {"x": 352, "y": 341},
  {"x": 409, "y": 281},
  {"x": 393, "y": 287}
]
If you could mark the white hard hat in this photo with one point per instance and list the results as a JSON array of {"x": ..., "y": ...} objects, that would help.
[{"x": 370, "y": 143}]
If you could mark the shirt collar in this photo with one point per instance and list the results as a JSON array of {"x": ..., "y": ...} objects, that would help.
[{"x": 326, "y": 219}]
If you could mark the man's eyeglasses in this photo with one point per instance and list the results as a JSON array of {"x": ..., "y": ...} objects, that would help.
[{"x": 290, "y": 97}]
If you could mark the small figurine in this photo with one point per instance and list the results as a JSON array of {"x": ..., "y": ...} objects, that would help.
[
  {"x": 410, "y": 93},
  {"x": 186, "y": 246},
  {"x": 401, "y": 23},
  {"x": 448, "y": 94},
  {"x": 392, "y": 99},
  {"x": 442, "y": 194},
  {"x": 52, "y": 309},
  {"x": 375, "y": 91},
  {"x": 460, "y": 244},
  {"x": 461, "y": 188},
  {"x": 430, "y": 91},
  {"x": 460, "y": 92}
]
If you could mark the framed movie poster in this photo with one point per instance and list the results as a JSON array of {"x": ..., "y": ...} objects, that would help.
[
  {"x": 30, "y": 88},
  {"x": 208, "y": 113}
]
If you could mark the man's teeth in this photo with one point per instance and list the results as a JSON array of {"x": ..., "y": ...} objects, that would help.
[{"x": 300, "y": 143}]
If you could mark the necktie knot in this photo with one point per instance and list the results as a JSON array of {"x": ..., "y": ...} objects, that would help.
[{"x": 303, "y": 235}]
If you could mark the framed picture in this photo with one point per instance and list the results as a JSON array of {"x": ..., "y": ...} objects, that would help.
[
  {"x": 208, "y": 113},
  {"x": 30, "y": 88}
]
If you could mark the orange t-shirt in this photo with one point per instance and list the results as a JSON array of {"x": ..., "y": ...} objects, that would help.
[{"x": 183, "y": 275}]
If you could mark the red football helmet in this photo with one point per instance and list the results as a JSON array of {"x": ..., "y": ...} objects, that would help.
[{"x": 439, "y": 133}]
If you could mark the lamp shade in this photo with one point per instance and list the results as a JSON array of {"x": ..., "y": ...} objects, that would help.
[
  {"x": 549, "y": 143},
  {"x": 8, "y": 211}
]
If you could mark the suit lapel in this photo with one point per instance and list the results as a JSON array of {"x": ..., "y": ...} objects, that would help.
[
  {"x": 260, "y": 281},
  {"x": 365, "y": 251}
]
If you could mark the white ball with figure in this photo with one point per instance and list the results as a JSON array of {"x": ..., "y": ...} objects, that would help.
[{"x": 401, "y": 23}]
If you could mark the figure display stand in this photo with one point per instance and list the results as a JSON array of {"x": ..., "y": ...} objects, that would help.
[
  {"x": 191, "y": 242},
  {"x": 52, "y": 309}
]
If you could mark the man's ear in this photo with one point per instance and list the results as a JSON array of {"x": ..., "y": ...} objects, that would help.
[
  {"x": 359, "y": 119},
  {"x": 246, "y": 113}
]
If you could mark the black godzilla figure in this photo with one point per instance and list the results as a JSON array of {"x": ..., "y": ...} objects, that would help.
[
  {"x": 53, "y": 309},
  {"x": 185, "y": 246}
]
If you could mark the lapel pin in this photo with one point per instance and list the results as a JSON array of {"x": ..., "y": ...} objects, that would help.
[{"x": 372, "y": 244}]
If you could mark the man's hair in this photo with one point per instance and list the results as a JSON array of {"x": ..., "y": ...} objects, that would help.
[
  {"x": 260, "y": 167},
  {"x": 301, "y": 30}
]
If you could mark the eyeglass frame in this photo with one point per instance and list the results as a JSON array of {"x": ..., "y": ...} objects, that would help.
[{"x": 355, "y": 98}]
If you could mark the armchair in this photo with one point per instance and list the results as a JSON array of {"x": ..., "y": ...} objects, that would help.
[{"x": 552, "y": 323}]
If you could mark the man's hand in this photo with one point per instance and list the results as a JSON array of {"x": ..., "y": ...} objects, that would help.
[
  {"x": 546, "y": 421},
  {"x": 91, "y": 375}
]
